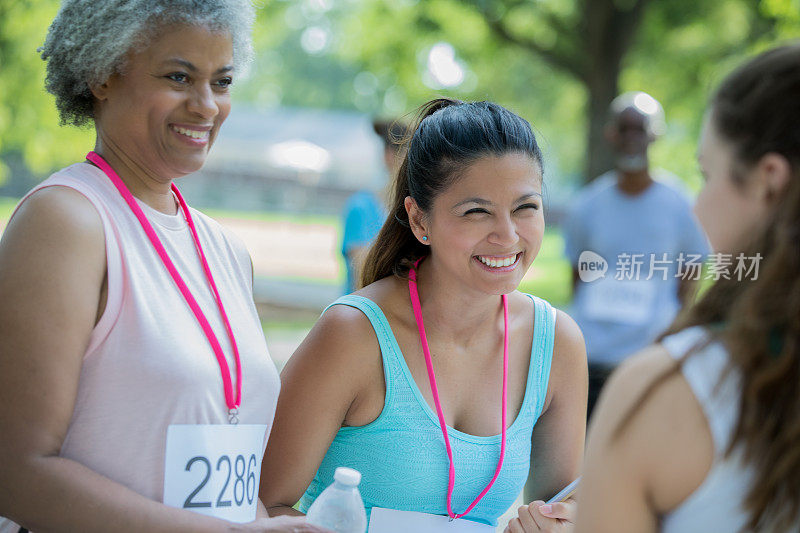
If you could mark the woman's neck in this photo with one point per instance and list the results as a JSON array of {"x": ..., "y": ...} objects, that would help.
[
  {"x": 455, "y": 312},
  {"x": 153, "y": 190}
]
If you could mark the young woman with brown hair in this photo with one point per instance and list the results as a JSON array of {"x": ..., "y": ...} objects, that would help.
[{"x": 701, "y": 432}]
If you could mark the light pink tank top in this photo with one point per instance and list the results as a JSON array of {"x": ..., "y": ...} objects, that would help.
[{"x": 148, "y": 364}]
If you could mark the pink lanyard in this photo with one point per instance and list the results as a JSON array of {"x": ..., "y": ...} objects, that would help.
[
  {"x": 232, "y": 403},
  {"x": 417, "y": 307}
]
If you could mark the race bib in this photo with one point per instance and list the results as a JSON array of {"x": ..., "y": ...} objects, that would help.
[
  {"x": 393, "y": 521},
  {"x": 214, "y": 469},
  {"x": 621, "y": 301}
]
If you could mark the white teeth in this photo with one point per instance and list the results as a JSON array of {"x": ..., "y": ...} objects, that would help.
[
  {"x": 194, "y": 134},
  {"x": 497, "y": 263}
]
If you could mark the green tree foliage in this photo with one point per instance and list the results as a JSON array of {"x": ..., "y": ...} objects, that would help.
[
  {"x": 29, "y": 126},
  {"x": 371, "y": 55},
  {"x": 557, "y": 62},
  {"x": 284, "y": 72}
]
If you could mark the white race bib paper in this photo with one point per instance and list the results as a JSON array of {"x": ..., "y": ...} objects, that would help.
[
  {"x": 214, "y": 469},
  {"x": 392, "y": 521},
  {"x": 621, "y": 301}
]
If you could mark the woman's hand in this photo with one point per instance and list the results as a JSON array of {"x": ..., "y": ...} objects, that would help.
[
  {"x": 283, "y": 524},
  {"x": 545, "y": 518}
]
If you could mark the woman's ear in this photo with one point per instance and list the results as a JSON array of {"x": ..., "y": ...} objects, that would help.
[
  {"x": 772, "y": 172},
  {"x": 100, "y": 90},
  {"x": 417, "y": 220}
]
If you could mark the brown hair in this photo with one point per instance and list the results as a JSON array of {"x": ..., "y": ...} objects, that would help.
[
  {"x": 448, "y": 136},
  {"x": 392, "y": 132},
  {"x": 757, "y": 110}
]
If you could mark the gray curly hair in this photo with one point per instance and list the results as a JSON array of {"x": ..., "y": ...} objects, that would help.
[{"x": 89, "y": 39}]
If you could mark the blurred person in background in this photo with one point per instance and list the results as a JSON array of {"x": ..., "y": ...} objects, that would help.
[
  {"x": 701, "y": 431},
  {"x": 439, "y": 355},
  {"x": 131, "y": 345},
  {"x": 640, "y": 224},
  {"x": 365, "y": 210}
]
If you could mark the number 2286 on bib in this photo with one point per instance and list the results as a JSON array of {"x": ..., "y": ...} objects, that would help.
[{"x": 214, "y": 469}]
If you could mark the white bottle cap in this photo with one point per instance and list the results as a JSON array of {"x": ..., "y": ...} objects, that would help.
[{"x": 347, "y": 476}]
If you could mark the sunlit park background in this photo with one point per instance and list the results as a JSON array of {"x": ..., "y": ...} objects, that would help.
[{"x": 298, "y": 141}]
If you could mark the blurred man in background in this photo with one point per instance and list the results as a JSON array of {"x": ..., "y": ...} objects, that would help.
[
  {"x": 365, "y": 211},
  {"x": 633, "y": 242}
]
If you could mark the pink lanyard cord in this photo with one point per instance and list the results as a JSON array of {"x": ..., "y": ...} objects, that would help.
[
  {"x": 417, "y": 308},
  {"x": 231, "y": 402}
]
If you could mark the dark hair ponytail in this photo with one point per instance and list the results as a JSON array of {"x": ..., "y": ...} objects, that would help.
[
  {"x": 448, "y": 135},
  {"x": 395, "y": 242}
]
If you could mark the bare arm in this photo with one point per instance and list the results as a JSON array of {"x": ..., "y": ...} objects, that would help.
[
  {"x": 52, "y": 267},
  {"x": 660, "y": 456},
  {"x": 319, "y": 385},
  {"x": 558, "y": 437}
]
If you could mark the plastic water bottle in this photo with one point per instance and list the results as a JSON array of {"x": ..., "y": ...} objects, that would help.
[{"x": 339, "y": 507}]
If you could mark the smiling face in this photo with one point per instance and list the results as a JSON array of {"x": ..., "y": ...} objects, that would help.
[
  {"x": 165, "y": 109},
  {"x": 487, "y": 227}
]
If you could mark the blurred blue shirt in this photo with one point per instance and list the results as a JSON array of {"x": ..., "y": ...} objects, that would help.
[
  {"x": 363, "y": 218},
  {"x": 621, "y": 312}
]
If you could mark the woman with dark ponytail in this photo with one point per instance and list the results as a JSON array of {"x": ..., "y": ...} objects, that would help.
[
  {"x": 438, "y": 380},
  {"x": 701, "y": 432}
]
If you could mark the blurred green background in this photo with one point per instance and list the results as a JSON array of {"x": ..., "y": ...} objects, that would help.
[
  {"x": 540, "y": 58},
  {"x": 558, "y": 63}
]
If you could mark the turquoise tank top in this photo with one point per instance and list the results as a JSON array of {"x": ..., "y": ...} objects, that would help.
[{"x": 401, "y": 454}]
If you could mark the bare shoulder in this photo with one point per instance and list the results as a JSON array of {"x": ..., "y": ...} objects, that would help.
[
  {"x": 391, "y": 295},
  {"x": 344, "y": 326},
  {"x": 385, "y": 292},
  {"x": 628, "y": 385},
  {"x": 52, "y": 264},
  {"x": 53, "y": 250},
  {"x": 568, "y": 336},
  {"x": 569, "y": 350},
  {"x": 568, "y": 343},
  {"x": 56, "y": 229},
  {"x": 649, "y": 420},
  {"x": 568, "y": 370},
  {"x": 344, "y": 334},
  {"x": 61, "y": 211},
  {"x": 342, "y": 338}
]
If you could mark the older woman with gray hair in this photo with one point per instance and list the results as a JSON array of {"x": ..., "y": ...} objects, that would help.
[{"x": 137, "y": 386}]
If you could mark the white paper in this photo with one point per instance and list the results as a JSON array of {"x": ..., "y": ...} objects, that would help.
[
  {"x": 214, "y": 469},
  {"x": 394, "y": 521}
]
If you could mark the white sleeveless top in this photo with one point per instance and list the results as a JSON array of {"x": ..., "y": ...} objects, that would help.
[
  {"x": 716, "y": 505},
  {"x": 148, "y": 363}
]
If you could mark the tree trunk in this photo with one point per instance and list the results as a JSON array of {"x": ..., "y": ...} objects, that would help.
[
  {"x": 591, "y": 49},
  {"x": 601, "y": 88},
  {"x": 609, "y": 28}
]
